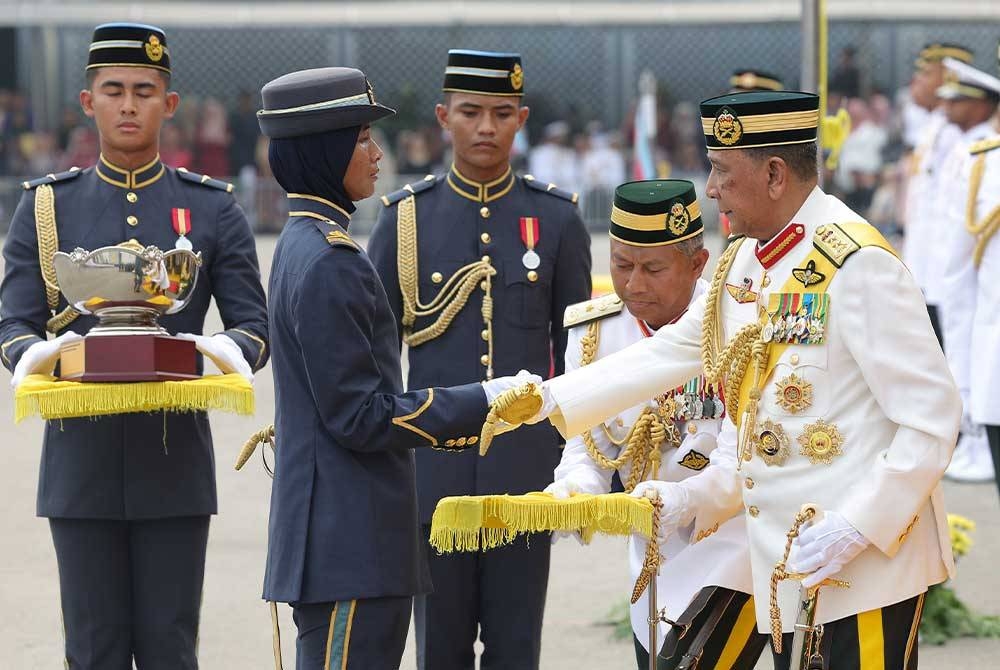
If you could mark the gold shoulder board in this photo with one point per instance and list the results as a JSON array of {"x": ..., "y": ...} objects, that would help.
[
  {"x": 982, "y": 146},
  {"x": 592, "y": 310}
]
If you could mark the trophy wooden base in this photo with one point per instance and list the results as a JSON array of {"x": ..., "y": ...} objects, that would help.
[{"x": 128, "y": 358}]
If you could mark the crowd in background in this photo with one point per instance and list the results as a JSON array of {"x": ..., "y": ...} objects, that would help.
[{"x": 221, "y": 138}]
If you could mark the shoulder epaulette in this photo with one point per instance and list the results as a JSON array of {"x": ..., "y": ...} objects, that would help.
[
  {"x": 410, "y": 189},
  {"x": 982, "y": 146},
  {"x": 336, "y": 236},
  {"x": 71, "y": 173},
  {"x": 835, "y": 242},
  {"x": 592, "y": 310},
  {"x": 551, "y": 189},
  {"x": 204, "y": 180}
]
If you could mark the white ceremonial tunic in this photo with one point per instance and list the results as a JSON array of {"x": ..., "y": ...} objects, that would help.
[
  {"x": 972, "y": 307},
  {"x": 922, "y": 228},
  {"x": 949, "y": 198},
  {"x": 880, "y": 378},
  {"x": 720, "y": 559}
]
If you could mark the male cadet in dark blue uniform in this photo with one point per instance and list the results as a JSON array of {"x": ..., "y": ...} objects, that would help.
[
  {"x": 344, "y": 547},
  {"x": 479, "y": 266},
  {"x": 129, "y": 496}
]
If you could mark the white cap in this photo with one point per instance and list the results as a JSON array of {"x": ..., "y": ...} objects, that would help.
[{"x": 964, "y": 81}]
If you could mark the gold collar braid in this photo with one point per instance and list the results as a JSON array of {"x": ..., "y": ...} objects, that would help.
[{"x": 450, "y": 299}]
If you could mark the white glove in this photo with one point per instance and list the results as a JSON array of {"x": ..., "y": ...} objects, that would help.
[
  {"x": 674, "y": 512},
  {"x": 225, "y": 353},
  {"x": 41, "y": 357},
  {"x": 494, "y": 387},
  {"x": 825, "y": 547},
  {"x": 563, "y": 488}
]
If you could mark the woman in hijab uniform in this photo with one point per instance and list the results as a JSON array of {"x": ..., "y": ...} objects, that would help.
[{"x": 343, "y": 542}]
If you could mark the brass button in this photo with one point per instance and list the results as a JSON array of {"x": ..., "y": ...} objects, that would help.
[
  {"x": 486, "y": 259},
  {"x": 794, "y": 359},
  {"x": 482, "y": 285},
  {"x": 754, "y": 511},
  {"x": 473, "y": 440},
  {"x": 532, "y": 275},
  {"x": 484, "y": 212},
  {"x": 132, "y": 197},
  {"x": 485, "y": 237},
  {"x": 485, "y": 334},
  {"x": 484, "y": 359},
  {"x": 132, "y": 220},
  {"x": 449, "y": 443},
  {"x": 692, "y": 427},
  {"x": 620, "y": 421},
  {"x": 436, "y": 277},
  {"x": 460, "y": 442},
  {"x": 749, "y": 483}
]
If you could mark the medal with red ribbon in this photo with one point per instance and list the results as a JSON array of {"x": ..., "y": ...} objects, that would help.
[
  {"x": 182, "y": 226},
  {"x": 529, "y": 235}
]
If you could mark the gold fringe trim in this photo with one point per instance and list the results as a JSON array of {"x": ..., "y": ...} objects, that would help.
[
  {"x": 471, "y": 523},
  {"x": 53, "y": 399}
]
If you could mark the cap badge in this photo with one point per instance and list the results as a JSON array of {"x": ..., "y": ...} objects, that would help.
[
  {"x": 154, "y": 50},
  {"x": 678, "y": 218},
  {"x": 517, "y": 77},
  {"x": 727, "y": 128}
]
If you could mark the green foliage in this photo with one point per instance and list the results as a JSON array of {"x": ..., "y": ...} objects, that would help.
[
  {"x": 619, "y": 621},
  {"x": 946, "y": 617}
]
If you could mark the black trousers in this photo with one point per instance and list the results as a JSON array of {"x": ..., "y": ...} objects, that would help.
[
  {"x": 131, "y": 590},
  {"x": 364, "y": 634},
  {"x": 733, "y": 644},
  {"x": 993, "y": 436},
  {"x": 883, "y": 638},
  {"x": 498, "y": 593},
  {"x": 932, "y": 312}
]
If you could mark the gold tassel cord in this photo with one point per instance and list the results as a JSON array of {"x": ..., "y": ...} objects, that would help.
[
  {"x": 263, "y": 436},
  {"x": 983, "y": 231},
  {"x": 513, "y": 406},
  {"x": 52, "y": 399},
  {"x": 473, "y": 523},
  {"x": 452, "y": 297},
  {"x": 805, "y": 514},
  {"x": 651, "y": 560}
]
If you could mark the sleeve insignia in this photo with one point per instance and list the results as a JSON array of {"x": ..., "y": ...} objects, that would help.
[
  {"x": 592, "y": 310},
  {"x": 694, "y": 460}
]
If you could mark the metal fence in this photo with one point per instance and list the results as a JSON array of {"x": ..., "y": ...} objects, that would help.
[{"x": 578, "y": 72}]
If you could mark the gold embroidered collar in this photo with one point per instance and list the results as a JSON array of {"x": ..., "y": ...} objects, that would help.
[
  {"x": 130, "y": 179},
  {"x": 315, "y": 207},
  {"x": 478, "y": 191}
]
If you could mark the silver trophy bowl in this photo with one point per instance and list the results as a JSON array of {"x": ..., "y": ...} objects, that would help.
[{"x": 128, "y": 286}]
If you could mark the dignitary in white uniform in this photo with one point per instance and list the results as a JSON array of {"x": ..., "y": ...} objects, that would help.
[
  {"x": 937, "y": 138},
  {"x": 970, "y": 103},
  {"x": 657, "y": 259},
  {"x": 972, "y": 263},
  {"x": 859, "y": 421}
]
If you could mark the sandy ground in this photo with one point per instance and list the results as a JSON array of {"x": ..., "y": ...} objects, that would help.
[{"x": 235, "y": 632}]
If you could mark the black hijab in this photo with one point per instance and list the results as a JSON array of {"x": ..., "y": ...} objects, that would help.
[{"x": 315, "y": 164}]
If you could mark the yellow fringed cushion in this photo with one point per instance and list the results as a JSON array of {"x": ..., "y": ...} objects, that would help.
[
  {"x": 53, "y": 399},
  {"x": 470, "y": 523}
]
